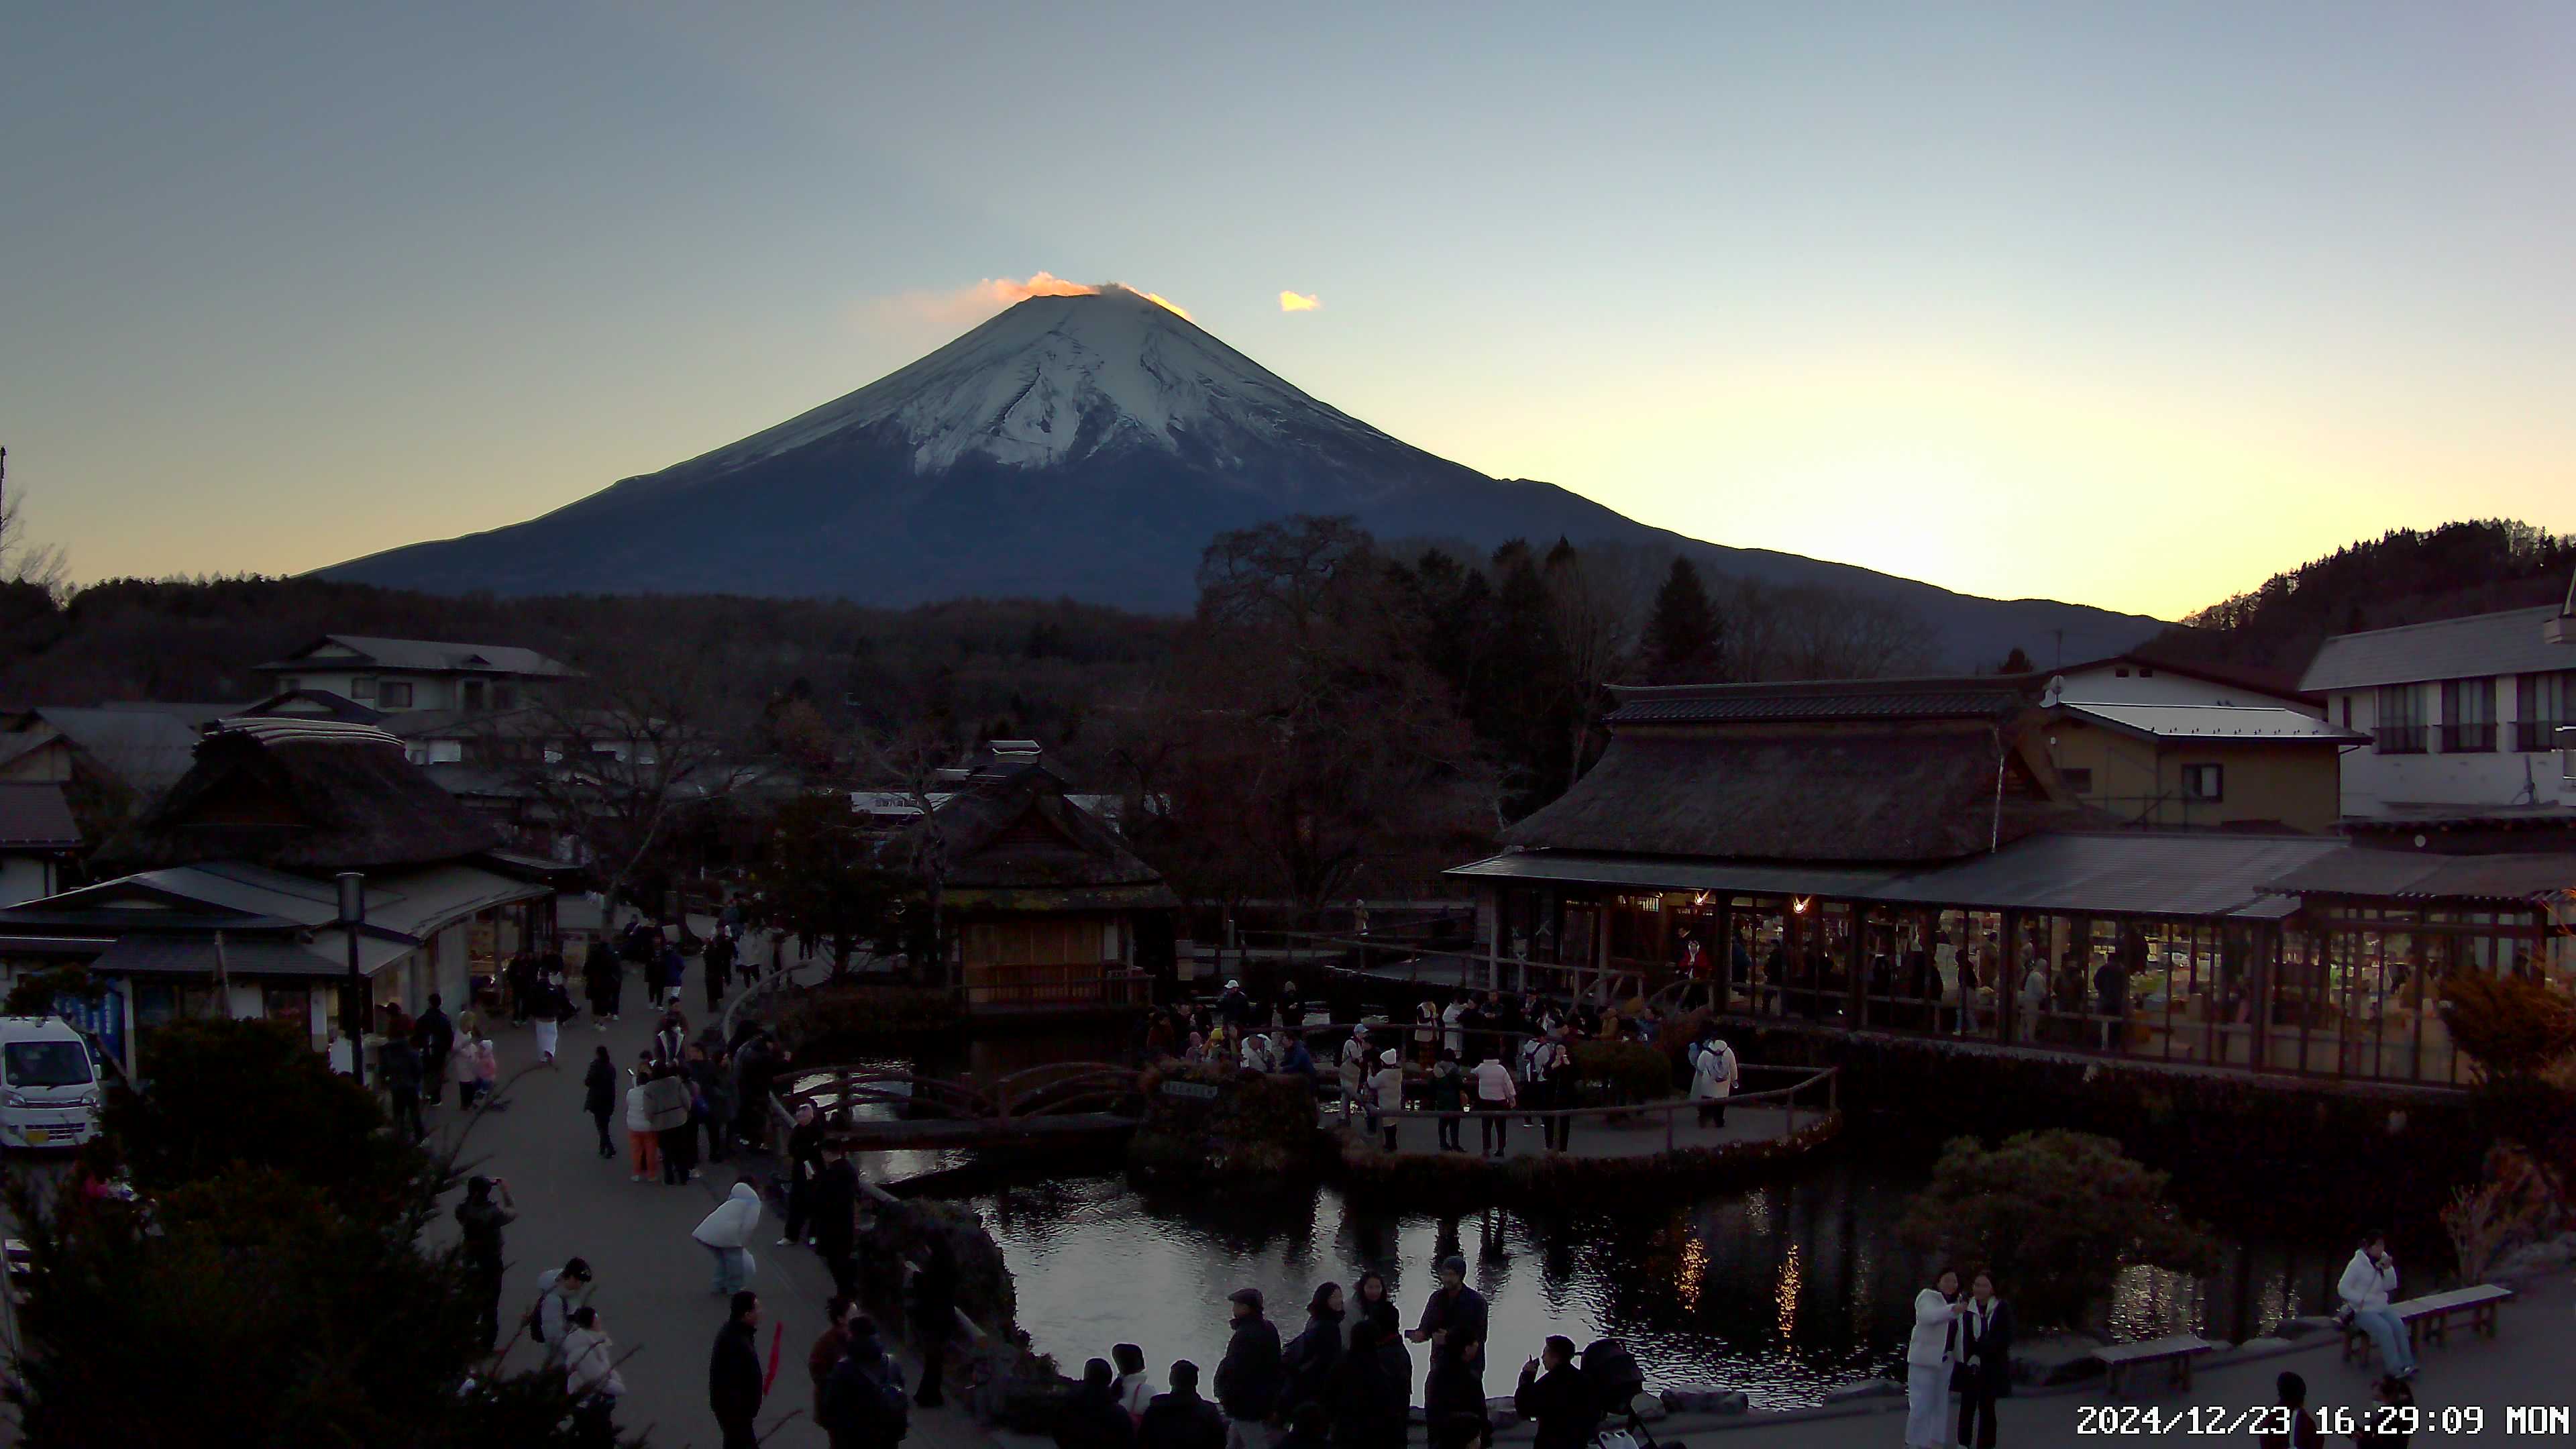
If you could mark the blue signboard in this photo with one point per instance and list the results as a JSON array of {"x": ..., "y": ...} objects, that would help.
[{"x": 103, "y": 1021}]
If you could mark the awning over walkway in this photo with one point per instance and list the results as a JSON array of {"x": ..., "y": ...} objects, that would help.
[
  {"x": 2076, "y": 873},
  {"x": 2353, "y": 871}
]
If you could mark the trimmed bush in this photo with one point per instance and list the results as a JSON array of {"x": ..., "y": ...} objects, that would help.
[
  {"x": 844, "y": 1022},
  {"x": 1625, "y": 1071},
  {"x": 2054, "y": 1216}
]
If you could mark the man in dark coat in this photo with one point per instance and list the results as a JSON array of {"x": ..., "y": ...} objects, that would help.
[
  {"x": 834, "y": 1209},
  {"x": 718, "y": 961},
  {"x": 1250, "y": 1376},
  {"x": 401, "y": 1062},
  {"x": 1553, "y": 1396},
  {"x": 1453, "y": 1323},
  {"x": 1984, "y": 1366},
  {"x": 859, "y": 1400},
  {"x": 436, "y": 1036},
  {"x": 603, "y": 976},
  {"x": 733, "y": 1373},
  {"x": 1181, "y": 1419},
  {"x": 479, "y": 1222}
]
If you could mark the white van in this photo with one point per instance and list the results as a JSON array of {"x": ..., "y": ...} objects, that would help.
[{"x": 49, "y": 1087}]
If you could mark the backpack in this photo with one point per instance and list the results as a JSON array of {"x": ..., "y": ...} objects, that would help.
[
  {"x": 866, "y": 1404},
  {"x": 536, "y": 1318}
]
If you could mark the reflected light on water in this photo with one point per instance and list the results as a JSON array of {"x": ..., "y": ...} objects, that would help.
[
  {"x": 1694, "y": 1270},
  {"x": 1785, "y": 1296}
]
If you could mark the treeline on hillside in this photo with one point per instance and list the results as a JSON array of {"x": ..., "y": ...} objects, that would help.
[
  {"x": 2404, "y": 576},
  {"x": 1011, "y": 666}
]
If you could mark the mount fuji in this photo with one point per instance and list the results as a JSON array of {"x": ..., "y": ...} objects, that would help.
[{"x": 1086, "y": 446}]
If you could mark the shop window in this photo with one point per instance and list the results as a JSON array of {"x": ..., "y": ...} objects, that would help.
[{"x": 2204, "y": 782}]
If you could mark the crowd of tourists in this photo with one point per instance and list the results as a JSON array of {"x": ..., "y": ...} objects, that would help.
[
  {"x": 1492, "y": 1055},
  {"x": 1346, "y": 1378}
]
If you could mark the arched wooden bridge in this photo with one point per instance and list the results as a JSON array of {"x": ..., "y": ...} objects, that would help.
[{"x": 1061, "y": 1102}]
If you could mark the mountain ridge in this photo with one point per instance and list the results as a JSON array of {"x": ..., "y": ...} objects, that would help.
[{"x": 1088, "y": 447}]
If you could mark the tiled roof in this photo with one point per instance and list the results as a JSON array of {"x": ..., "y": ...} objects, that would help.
[
  {"x": 2355, "y": 871},
  {"x": 1871, "y": 699},
  {"x": 2472, "y": 648},
  {"x": 36, "y": 817},
  {"x": 422, "y": 655},
  {"x": 2217, "y": 722}
]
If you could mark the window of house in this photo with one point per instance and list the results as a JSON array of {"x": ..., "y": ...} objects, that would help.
[
  {"x": 2543, "y": 702},
  {"x": 2401, "y": 720},
  {"x": 393, "y": 694},
  {"x": 2146, "y": 673},
  {"x": 2468, "y": 716},
  {"x": 362, "y": 687},
  {"x": 2079, "y": 781},
  {"x": 446, "y": 752},
  {"x": 289, "y": 684},
  {"x": 2345, "y": 700},
  {"x": 473, "y": 694},
  {"x": 505, "y": 696},
  {"x": 2120, "y": 673},
  {"x": 2204, "y": 782}
]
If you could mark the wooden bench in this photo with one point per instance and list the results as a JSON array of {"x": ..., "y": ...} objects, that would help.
[
  {"x": 2428, "y": 1318},
  {"x": 2174, "y": 1350}
]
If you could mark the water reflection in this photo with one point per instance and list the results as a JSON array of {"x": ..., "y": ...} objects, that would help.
[{"x": 1781, "y": 1291}]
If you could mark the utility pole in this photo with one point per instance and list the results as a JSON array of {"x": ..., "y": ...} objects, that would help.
[{"x": 353, "y": 988}]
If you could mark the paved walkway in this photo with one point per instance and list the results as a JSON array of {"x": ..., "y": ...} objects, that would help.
[
  {"x": 1641, "y": 1136},
  {"x": 2525, "y": 1364},
  {"x": 652, "y": 1283}
]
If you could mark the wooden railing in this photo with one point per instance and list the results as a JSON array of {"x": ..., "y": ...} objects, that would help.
[{"x": 1058, "y": 983}]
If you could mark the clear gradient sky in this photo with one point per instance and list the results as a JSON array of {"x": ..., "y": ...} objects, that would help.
[{"x": 2131, "y": 305}]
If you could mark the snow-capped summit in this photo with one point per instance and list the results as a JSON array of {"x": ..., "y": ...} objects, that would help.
[
  {"x": 1086, "y": 447},
  {"x": 1055, "y": 379}
]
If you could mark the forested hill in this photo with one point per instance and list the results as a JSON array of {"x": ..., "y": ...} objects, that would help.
[{"x": 2404, "y": 576}]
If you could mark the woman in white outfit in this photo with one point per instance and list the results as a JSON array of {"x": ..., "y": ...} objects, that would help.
[{"x": 1927, "y": 1365}]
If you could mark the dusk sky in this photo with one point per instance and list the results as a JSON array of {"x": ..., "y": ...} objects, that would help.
[{"x": 2125, "y": 305}]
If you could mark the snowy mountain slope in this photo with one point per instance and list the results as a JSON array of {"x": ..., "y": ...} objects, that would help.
[{"x": 1086, "y": 446}]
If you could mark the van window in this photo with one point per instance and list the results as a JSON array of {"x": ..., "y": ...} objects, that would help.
[{"x": 46, "y": 1064}]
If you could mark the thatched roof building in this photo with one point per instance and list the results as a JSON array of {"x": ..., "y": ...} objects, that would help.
[
  {"x": 1013, "y": 840},
  {"x": 304, "y": 796},
  {"x": 1882, "y": 771}
]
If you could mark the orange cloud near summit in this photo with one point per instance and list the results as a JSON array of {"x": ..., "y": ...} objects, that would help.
[
  {"x": 967, "y": 306},
  {"x": 1299, "y": 302}
]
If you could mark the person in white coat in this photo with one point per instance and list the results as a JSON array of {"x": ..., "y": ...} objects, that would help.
[
  {"x": 1714, "y": 1076},
  {"x": 726, "y": 1234},
  {"x": 1927, "y": 1365},
  {"x": 590, "y": 1376},
  {"x": 2369, "y": 1281}
]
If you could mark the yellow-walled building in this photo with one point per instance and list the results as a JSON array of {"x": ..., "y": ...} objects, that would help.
[{"x": 2151, "y": 743}]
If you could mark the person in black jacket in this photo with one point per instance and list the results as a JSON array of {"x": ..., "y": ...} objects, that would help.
[
  {"x": 1453, "y": 1323},
  {"x": 1310, "y": 1356},
  {"x": 733, "y": 1373},
  {"x": 1249, "y": 1378},
  {"x": 600, "y": 1097},
  {"x": 934, "y": 1312},
  {"x": 400, "y": 1062},
  {"x": 1092, "y": 1419},
  {"x": 604, "y": 977},
  {"x": 834, "y": 1222},
  {"x": 479, "y": 1221},
  {"x": 1371, "y": 1301},
  {"x": 1553, "y": 1396},
  {"x": 436, "y": 1037},
  {"x": 1181, "y": 1419},
  {"x": 1371, "y": 1389},
  {"x": 804, "y": 1164},
  {"x": 1984, "y": 1370}
]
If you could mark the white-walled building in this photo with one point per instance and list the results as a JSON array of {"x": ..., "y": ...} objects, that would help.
[{"x": 2465, "y": 716}]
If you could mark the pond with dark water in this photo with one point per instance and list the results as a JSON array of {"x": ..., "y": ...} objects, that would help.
[{"x": 1781, "y": 1290}]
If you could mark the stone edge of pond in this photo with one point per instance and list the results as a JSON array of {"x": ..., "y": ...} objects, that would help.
[{"x": 1564, "y": 1179}]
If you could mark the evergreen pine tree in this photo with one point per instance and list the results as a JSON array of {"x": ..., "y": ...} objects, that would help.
[{"x": 1683, "y": 635}]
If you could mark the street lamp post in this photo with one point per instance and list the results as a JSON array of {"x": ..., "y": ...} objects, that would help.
[{"x": 353, "y": 989}]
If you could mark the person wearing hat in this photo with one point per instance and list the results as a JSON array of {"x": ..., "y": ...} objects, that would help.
[
  {"x": 1453, "y": 1323},
  {"x": 1353, "y": 1063},
  {"x": 1386, "y": 1093},
  {"x": 1249, "y": 1377},
  {"x": 1234, "y": 1008}
]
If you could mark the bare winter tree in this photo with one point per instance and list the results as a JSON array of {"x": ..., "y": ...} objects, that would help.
[
  {"x": 908, "y": 761},
  {"x": 22, "y": 561},
  {"x": 1804, "y": 632},
  {"x": 644, "y": 732},
  {"x": 1593, "y": 593}
]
